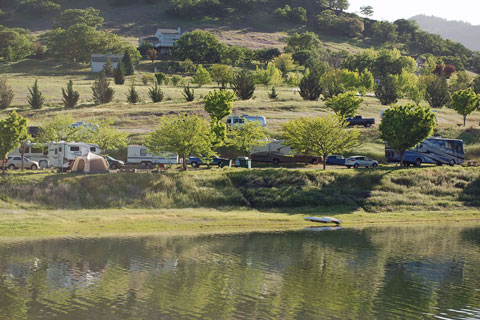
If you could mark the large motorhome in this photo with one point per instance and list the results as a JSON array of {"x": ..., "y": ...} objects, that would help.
[
  {"x": 276, "y": 152},
  {"x": 432, "y": 150},
  {"x": 141, "y": 155},
  {"x": 63, "y": 154},
  {"x": 234, "y": 121}
]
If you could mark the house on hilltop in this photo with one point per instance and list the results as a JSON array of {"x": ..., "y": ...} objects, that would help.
[
  {"x": 163, "y": 40},
  {"x": 97, "y": 61}
]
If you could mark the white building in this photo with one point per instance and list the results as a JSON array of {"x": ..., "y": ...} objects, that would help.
[
  {"x": 97, "y": 61},
  {"x": 163, "y": 40}
]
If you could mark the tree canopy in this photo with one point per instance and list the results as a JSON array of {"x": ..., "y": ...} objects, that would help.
[
  {"x": 13, "y": 130},
  {"x": 198, "y": 46}
]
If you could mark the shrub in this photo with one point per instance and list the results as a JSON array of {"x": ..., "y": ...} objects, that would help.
[
  {"x": 202, "y": 76},
  {"x": 188, "y": 94},
  {"x": 273, "y": 94},
  {"x": 6, "y": 94},
  {"x": 132, "y": 95},
  {"x": 155, "y": 93},
  {"x": 147, "y": 78},
  {"x": 160, "y": 76},
  {"x": 175, "y": 80}
]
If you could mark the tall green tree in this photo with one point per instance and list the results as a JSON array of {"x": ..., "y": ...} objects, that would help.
[
  {"x": 404, "y": 127},
  {"x": 219, "y": 104},
  {"x": 119, "y": 73},
  {"x": 36, "y": 98},
  {"x": 183, "y": 135},
  {"x": 60, "y": 128},
  {"x": 244, "y": 85},
  {"x": 317, "y": 136},
  {"x": 108, "y": 138},
  {"x": 345, "y": 104},
  {"x": 387, "y": 90},
  {"x": 6, "y": 94},
  {"x": 128, "y": 63},
  {"x": 199, "y": 47},
  {"x": 298, "y": 42},
  {"x": 202, "y": 76},
  {"x": 465, "y": 102},
  {"x": 89, "y": 16},
  {"x": 13, "y": 130},
  {"x": 70, "y": 96},
  {"x": 221, "y": 74},
  {"x": 15, "y": 43},
  {"x": 436, "y": 91},
  {"x": 243, "y": 138},
  {"x": 101, "y": 90},
  {"x": 310, "y": 86}
]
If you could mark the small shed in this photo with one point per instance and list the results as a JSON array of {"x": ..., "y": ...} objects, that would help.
[
  {"x": 97, "y": 61},
  {"x": 90, "y": 163}
]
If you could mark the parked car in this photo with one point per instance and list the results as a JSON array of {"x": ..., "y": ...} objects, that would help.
[
  {"x": 114, "y": 163},
  {"x": 16, "y": 163},
  {"x": 360, "y": 161},
  {"x": 335, "y": 160},
  {"x": 195, "y": 162},
  {"x": 359, "y": 121}
]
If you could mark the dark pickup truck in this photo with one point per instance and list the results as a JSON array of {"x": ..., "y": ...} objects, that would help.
[{"x": 359, "y": 121}]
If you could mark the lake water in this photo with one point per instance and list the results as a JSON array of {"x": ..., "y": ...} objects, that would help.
[{"x": 373, "y": 273}]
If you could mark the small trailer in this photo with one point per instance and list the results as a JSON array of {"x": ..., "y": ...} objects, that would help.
[{"x": 141, "y": 155}]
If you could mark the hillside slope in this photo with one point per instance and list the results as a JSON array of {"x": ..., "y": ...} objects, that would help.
[{"x": 459, "y": 31}]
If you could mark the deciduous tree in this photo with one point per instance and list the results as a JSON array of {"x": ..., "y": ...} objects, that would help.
[
  {"x": 202, "y": 76},
  {"x": 465, "y": 102},
  {"x": 219, "y": 104},
  {"x": 403, "y": 127},
  {"x": 243, "y": 138},
  {"x": 345, "y": 104},
  {"x": 6, "y": 94},
  {"x": 317, "y": 136},
  {"x": 13, "y": 130}
]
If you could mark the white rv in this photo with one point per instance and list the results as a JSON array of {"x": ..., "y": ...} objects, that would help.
[
  {"x": 141, "y": 155},
  {"x": 37, "y": 152},
  {"x": 234, "y": 121},
  {"x": 63, "y": 154}
]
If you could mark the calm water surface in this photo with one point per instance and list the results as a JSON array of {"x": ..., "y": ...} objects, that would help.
[{"x": 374, "y": 273}]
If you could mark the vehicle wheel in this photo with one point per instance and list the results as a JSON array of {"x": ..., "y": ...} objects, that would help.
[
  {"x": 314, "y": 161},
  {"x": 451, "y": 163},
  {"x": 348, "y": 167},
  {"x": 194, "y": 164},
  {"x": 43, "y": 164},
  {"x": 11, "y": 167},
  {"x": 356, "y": 165},
  {"x": 276, "y": 161},
  {"x": 114, "y": 166},
  {"x": 34, "y": 167},
  {"x": 418, "y": 162},
  {"x": 368, "y": 125},
  {"x": 146, "y": 165},
  {"x": 374, "y": 165}
]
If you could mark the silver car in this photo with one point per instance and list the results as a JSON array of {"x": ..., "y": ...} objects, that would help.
[
  {"x": 16, "y": 163},
  {"x": 360, "y": 161}
]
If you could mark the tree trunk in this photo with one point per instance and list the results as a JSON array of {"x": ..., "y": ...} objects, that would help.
[
  {"x": 185, "y": 168},
  {"x": 3, "y": 163},
  {"x": 23, "y": 155},
  {"x": 402, "y": 156},
  {"x": 325, "y": 162},
  {"x": 464, "y": 120}
]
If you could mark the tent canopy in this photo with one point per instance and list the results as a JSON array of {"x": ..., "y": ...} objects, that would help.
[{"x": 90, "y": 163}]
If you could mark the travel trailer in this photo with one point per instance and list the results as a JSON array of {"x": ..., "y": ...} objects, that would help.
[
  {"x": 233, "y": 121},
  {"x": 141, "y": 155},
  {"x": 63, "y": 154},
  {"x": 275, "y": 152}
]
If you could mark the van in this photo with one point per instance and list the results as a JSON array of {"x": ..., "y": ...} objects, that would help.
[{"x": 233, "y": 121}]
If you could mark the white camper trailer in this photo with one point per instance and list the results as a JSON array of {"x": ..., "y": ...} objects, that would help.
[
  {"x": 63, "y": 154},
  {"x": 37, "y": 152},
  {"x": 141, "y": 155}
]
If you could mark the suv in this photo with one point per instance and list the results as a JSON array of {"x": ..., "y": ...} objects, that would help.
[
  {"x": 335, "y": 160},
  {"x": 16, "y": 163},
  {"x": 114, "y": 163},
  {"x": 360, "y": 161}
]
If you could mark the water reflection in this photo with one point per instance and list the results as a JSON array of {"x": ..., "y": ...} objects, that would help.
[{"x": 382, "y": 273}]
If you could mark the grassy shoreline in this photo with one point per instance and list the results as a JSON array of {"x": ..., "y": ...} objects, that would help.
[{"x": 28, "y": 224}]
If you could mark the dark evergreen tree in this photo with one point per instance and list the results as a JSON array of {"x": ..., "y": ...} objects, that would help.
[
  {"x": 310, "y": 87},
  {"x": 436, "y": 92},
  {"x": 70, "y": 96},
  {"x": 243, "y": 85},
  {"x": 108, "y": 68},
  {"x": 119, "y": 73},
  {"x": 273, "y": 94},
  {"x": 188, "y": 94},
  {"x": 155, "y": 93},
  {"x": 132, "y": 95},
  {"x": 36, "y": 99},
  {"x": 128, "y": 64},
  {"x": 102, "y": 93}
]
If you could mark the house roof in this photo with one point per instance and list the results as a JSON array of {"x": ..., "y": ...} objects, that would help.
[
  {"x": 150, "y": 38},
  {"x": 168, "y": 31},
  {"x": 114, "y": 58}
]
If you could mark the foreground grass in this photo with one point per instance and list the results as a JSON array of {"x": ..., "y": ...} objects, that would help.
[{"x": 67, "y": 223}]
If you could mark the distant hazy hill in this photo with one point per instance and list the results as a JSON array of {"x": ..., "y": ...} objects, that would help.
[{"x": 459, "y": 31}]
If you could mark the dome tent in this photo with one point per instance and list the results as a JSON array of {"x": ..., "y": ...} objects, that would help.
[{"x": 90, "y": 163}]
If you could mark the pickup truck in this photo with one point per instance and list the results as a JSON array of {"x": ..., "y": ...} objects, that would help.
[
  {"x": 195, "y": 162},
  {"x": 359, "y": 121}
]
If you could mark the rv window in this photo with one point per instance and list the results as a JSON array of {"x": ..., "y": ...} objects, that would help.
[
  {"x": 56, "y": 151},
  {"x": 459, "y": 148},
  {"x": 36, "y": 150},
  {"x": 235, "y": 120},
  {"x": 229, "y": 120},
  {"x": 60, "y": 149},
  {"x": 241, "y": 120},
  {"x": 74, "y": 148},
  {"x": 93, "y": 149},
  {"x": 143, "y": 152}
]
